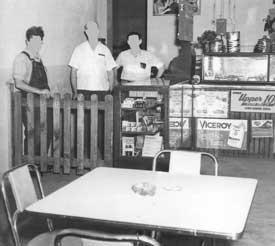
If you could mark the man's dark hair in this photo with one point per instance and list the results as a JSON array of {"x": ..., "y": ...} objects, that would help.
[
  {"x": 34, "y": 31},
  {"x": 134, "y": 34}
]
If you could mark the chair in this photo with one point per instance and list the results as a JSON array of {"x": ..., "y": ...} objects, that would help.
[
  {"x": 94, "y": 238},
  {"x": 19, "y": 191},
  {"x": 187, "y": 162}
]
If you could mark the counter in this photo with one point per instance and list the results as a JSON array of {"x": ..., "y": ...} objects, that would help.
[{"x": 228, "y": 119}]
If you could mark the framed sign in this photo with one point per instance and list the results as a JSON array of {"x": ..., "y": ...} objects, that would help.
[
  {"x": 252, "y": 101},
  {"x": 221, "y": 134},
  {"x": 262, "y": 128},
  {"x": 165, "y": 7},
  {"x": 169, "y": 7}
]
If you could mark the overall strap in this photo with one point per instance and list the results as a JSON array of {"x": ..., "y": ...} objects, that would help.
[
  {"x": 27, "y": 54},
  {"x": 31, "y": 59}
]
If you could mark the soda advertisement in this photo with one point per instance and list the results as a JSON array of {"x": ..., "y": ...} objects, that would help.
[
  {"x": 212, "y": 104},
  {"x": 179, "y": 133},
  {"x": 221, "y": 134},
  {"x": 253, "y": 101}
]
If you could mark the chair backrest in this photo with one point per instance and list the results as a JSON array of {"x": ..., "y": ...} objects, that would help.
[
  {"x": 187, "y": 162},
  {"x": 19, "y": 192},
  {"x": 94, "y": 238}
]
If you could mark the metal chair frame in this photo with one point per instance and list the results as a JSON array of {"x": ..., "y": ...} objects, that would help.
[
  {"x": 13, "y": 216},
  {"x": 155, "y": 234},
  {"x": 154, "y": 166},
  {"x": 102, "y": 236}
]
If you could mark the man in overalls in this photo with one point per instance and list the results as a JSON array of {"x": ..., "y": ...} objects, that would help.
[{"x": 30, "y": 77}]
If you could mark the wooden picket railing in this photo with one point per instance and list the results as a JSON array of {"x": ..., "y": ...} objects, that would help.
[{"x": 67, "y": 145}]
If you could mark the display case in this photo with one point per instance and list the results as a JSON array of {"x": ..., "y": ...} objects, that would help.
[
  {"x": 240, "y": 68},
  {"x": 140, "y": 124},
  {"x": 223, "y": 119}
]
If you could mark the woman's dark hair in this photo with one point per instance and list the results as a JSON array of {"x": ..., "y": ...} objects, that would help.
[
  {"x": 34, "y": 31},
  {"x": 134, "y": 34}
]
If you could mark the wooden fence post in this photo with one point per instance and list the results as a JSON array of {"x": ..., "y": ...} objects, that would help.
[
  {"x": 80, "y": 134},
  {"x": 43, "y": 133},
  {"x": 67, "y": 133},
  {"x": 56, "y": 132},
  {"x": 18, "y": 151},
  {"x": 30, "y": 126},
  {"x": 94, "y": 130},
  {"x": 108, "y": 131}
]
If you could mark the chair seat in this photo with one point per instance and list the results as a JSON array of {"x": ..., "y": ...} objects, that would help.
[
  {"x": 47, "y": 238},
  {"x": 91, "y": 242}
]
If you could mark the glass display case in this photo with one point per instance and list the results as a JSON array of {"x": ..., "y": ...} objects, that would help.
[
  {"x": 272, "y": 68},
  {"x": 242, "y": 68},
  {"x": 140, "y": 124}
]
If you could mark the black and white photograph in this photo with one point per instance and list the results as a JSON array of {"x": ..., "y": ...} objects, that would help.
[
  {"x": 166, "y": 7},
  {"x": 137, "y": 123}
]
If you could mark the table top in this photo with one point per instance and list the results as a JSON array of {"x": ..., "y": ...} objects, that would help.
[{"x": 214, "y": 206}]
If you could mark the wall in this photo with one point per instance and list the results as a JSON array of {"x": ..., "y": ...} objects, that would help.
[
  {"x": 161, "y": 33},
  {"x": 101, "y": 17},
  {"x": 63, "y": 23},
  {"x": 249, "y": 15},
  {"x": 249, "y": 19}
]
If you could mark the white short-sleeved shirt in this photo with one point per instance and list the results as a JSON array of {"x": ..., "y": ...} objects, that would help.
[
  {"x": 92, "y": 66},
  {"x": 137, "y": 68}
]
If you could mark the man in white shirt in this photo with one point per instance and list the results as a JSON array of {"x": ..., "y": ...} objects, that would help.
[
  {"x": 137, "y": 63},
  {"x": 92, "y": 72},
  {"x": 92, "y": 64}
]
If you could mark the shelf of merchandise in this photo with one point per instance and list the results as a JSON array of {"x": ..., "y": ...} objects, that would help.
[{"x": 160, "y": 125}]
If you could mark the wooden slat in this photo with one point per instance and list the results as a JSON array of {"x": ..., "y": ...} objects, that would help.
[
  {"x": 43, "y": 133},
  {"x": 252, "y": 140},
  {"x": 94, "y": 130},
  {"x": 18, "y": 147},
  {"x": 74, "y": 162},
  {"x": 257, "y": 140},
  {"x": 261, "y": 142},
  {"x": 244, "y": 152},
  {"x": 87, "y": 104},
  {"x": 67, "y": 133},
  {"x": 80, "y": 133},
  {"x": 247, "y": 117},
  {"x": 56, "y": 132},
  {"x": 30, "y": 126},
  {"x": 272, "y": 145},
  {"x": 266, "y": 140},
  {"x": 108, "y": 131},
  {"x": 234, "y": 116},
  {"x": 73, "y": 133},
  {"x": 117, "y": 126}
]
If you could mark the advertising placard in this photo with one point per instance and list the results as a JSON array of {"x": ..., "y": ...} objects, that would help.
[
  {"x": 253, "y": 101},
  {"x": 179, "y": 133},
  {"x": 221, "y": 134},
  {"x": 262, "y": 128},
  {"x": 212, "y": 104},
  {"x": 180, "y": 103}
]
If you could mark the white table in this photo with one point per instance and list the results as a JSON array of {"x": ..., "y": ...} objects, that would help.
[{"x": 203, "y": 205}]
